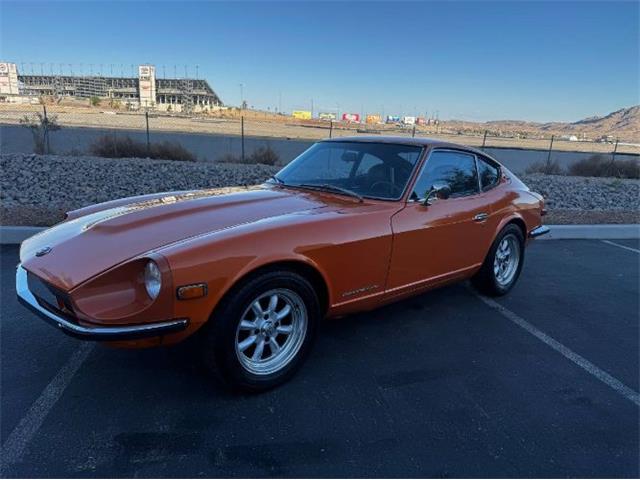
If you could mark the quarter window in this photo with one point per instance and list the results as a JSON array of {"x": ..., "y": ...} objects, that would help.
[
  {"x": 489, "y": 174},
  {"x": 456, "y": 169}
]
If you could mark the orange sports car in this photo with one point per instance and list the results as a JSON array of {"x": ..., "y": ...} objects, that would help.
[{"x": 349, "y": 225}]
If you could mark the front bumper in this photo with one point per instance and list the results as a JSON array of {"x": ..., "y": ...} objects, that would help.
[
  {"x": 541, "y": 230},
  {"x": 70, "y": 326}
]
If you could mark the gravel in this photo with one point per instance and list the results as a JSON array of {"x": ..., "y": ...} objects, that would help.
[{"x": 38, "y": 189}]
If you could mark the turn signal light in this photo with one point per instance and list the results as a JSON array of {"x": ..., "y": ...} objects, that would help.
[{"x": 197, "y": 290}]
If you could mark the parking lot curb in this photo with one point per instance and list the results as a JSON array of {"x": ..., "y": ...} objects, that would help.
[
  {"x": 593, "y": 232},
  {"x": 10, "y": 235}
]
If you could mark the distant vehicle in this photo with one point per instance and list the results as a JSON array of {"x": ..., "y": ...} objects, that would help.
[
  {"x": 351, "y": 117},
  {"x": 301, "y": 114},
  {"x": 349, "y": 225},
  {"x": 409, "y": 120}
]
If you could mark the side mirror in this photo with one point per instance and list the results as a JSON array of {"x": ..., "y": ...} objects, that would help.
[{"x": 438, "y": 190}]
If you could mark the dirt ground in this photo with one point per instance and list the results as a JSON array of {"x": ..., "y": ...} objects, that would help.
[{"x": 269, "y": 126}]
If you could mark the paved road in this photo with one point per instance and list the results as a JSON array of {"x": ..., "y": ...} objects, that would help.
[{"x": 446, "y": 384}]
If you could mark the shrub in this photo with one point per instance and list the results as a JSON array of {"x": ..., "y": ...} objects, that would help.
[
  {"x": 548, "y": 168},
  {"x": 111, "y": 146},
  {"x": 600, "y": 165},
  {"x": 263, "y": 155},
  {"x": 94, "y": 101}
]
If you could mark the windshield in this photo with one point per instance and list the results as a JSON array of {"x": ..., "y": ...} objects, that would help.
[{"x": 375, "y": 170}]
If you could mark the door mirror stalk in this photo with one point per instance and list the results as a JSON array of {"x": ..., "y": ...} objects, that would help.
[{"x": 438, "y": 190}]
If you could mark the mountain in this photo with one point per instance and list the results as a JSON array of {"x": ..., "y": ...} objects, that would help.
[{"x": 623, "y": 124}]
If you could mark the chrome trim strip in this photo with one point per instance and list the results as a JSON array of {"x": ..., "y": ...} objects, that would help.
[
  {"x": 541, "y": 230},
  {"x": 124, "y": 332}
]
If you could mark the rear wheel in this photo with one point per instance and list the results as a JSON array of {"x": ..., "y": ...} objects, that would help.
[
  {"x": 502, "y": 266},
  {"x": 263, "y": 330}
]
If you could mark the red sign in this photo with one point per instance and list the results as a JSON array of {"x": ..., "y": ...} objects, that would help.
[{"x": 351, "y": 117}]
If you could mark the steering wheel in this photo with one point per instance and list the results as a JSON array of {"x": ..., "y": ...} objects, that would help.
[{"x": 392, "y": 188}]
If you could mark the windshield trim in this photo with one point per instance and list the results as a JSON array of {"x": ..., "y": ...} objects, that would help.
[{"x": 423, "y": 149}]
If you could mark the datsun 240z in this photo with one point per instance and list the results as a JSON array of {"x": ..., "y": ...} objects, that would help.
[{"x": 349, "y": 225}]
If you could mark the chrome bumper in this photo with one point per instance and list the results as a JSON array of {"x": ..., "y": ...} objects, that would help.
[
  {"x": 69, "y": 325},
  {"x": 541, "y": 230}
]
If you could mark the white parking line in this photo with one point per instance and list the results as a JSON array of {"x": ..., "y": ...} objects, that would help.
[
  {"x": 17, "y": 441},
  {"x": 620, "y": 246},
  {"x": 582, "y": 362}
]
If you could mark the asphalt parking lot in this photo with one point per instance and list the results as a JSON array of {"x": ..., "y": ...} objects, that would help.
[{"x": 541, "y": 383}]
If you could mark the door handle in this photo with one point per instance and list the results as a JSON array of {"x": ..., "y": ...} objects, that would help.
[{"x": 481, "y": 217}]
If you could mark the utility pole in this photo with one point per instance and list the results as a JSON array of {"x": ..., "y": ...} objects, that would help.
[
  {"x": 312, "y": 108},
  {"x": 241, "y": 96},
  {"x": 280, "y": 101}
]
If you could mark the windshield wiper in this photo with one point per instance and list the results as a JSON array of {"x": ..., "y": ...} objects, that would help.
[
  {"x": 277, "y": 179},
  {"x": 331, "y": 188}
]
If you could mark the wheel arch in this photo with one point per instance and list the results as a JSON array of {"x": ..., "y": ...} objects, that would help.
[
  {"x": 303, "y": 268},
  {"x": 514, "y": 219}
]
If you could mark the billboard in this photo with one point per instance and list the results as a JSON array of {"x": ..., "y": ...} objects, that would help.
[
  {"x": 372, "y": 119},
  {"x": 147, "y": 85},
  {"x": 301, "y": 114},
  {"x": 8, "y": 78},
  {"x": 409, "y": 120},
  {"x": 350, "y": 117},
  {"x": 393, "y": 119},
  {"x": 327, "y": 116}
]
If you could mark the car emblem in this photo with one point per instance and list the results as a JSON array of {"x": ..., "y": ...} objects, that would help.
[{"x": 43, "y": 251}]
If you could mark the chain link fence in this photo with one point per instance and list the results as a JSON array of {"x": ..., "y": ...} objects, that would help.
[{"x": 246, "y": 136}]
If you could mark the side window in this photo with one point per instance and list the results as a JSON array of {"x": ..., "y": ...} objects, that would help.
[
  {"x": 456, "y": 169},
  {"x": 489, "y": 174}
]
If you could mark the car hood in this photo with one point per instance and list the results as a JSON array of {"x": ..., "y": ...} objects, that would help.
[{"x": 80, "y": 248}]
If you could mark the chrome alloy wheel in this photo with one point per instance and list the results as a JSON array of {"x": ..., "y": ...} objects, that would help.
[
  {"x": 271, "y": 331},
  {"x": 507, "y": 259}
]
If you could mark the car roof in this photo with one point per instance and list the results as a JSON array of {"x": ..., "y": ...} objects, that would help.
[{"x": 398, "y": 140}]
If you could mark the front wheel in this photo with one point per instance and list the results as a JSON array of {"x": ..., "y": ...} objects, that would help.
[
  {"x": 261, "y": 333},
  {"x": 502, "y": 266}
]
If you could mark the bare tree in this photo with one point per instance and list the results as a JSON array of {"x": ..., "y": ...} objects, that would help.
[{"x": 40, "y": 126}]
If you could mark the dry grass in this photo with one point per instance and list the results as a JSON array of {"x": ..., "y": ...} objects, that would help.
[
  {"x": 111, "y": 146},
  {"x": 593, "y": 166},
  {"x": 605, "y": 166}
]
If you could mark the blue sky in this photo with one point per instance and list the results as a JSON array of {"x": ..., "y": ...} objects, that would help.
[{"x": 475, "y": 60}]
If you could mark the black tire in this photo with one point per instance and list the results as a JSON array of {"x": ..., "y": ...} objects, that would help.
[
  {"x": 486, "y": 280},
  {"x": 220, "y": 337}
]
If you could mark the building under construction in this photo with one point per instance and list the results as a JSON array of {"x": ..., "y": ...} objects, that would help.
[{"x": 145, "y": 90}]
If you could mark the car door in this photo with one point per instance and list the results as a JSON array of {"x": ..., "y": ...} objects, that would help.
[{"x": 449, "y": 236}]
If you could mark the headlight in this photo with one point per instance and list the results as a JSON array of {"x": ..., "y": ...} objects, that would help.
[{"x": 152, "y": 279}]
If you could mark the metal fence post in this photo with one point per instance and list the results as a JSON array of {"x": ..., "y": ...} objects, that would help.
[
  {"x": 146, "y": 116},
  {"x": 611, "y": 165},
  {"x": 242, "y": 135},
  {"x": 45, "y": 132},
  {"x": 484, "y": 139},
  {"x": 330, "y": 128},
  {"x": 548, "y": 167}
]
